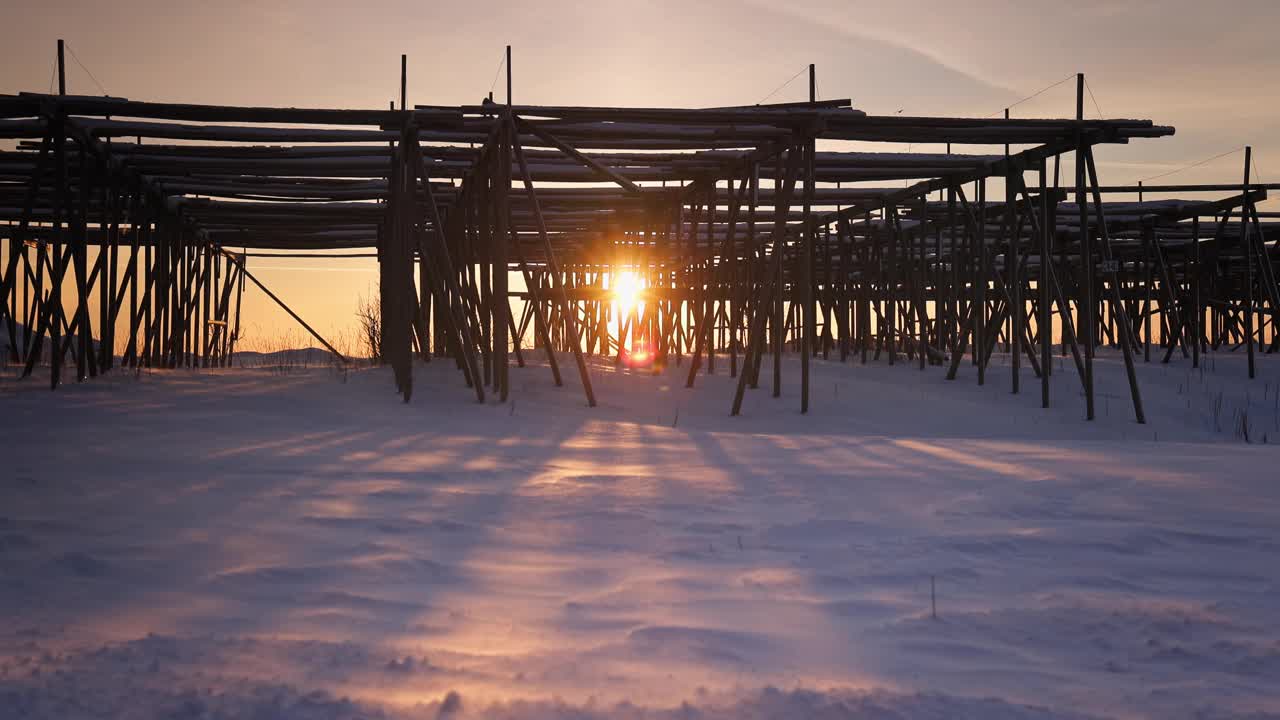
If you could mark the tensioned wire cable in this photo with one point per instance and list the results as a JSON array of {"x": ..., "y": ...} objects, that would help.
[
  {"x": 86, "y": 70},
  {"x": 783, "y": 85},
  {"x": 1193, "y": 165}
]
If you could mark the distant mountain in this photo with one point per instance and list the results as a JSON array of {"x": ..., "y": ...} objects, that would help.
[
  {"x": 5, "y": 342},
  {"x": 21, "y": 331},
  {"x": 299, "y": 357},
  {"x": 293, "y": 357}
]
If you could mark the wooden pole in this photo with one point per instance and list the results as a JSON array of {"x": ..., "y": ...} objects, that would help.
[
  {"x": 1197, "y": 310},
  {"x": 1088, "y": 323},
  {"x": 1012, "y": 271},
  {"x": 1046, "y": 300},
  {"x": 62, "y": 69},
  {"x": 501, "y": 309},
  {"x": 806, "y": 258},
  {"x": 1246, "y": 247},
  {"x": 980, "y": 286}
]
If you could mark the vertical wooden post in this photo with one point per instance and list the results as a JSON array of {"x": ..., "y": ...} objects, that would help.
[
  {"x": 113, "y": 197},
  {"x": 209, "y": 281},
  {"x": 62, "y": 69},
  {"x": 1013, "y": 261},
  {"x": 1088, "y": 324},
  {"x": 1246, "y": 247},
  {"x": 921, "y": 281},
  {"x": 150, "y": 274},
  {"x": 501, "y": 307},
  {"x": 1012, "y": 272},
  {"x": 890, "y": 231},
  {"x": 1197, "y": 310},
  {"x": 708, "y": 298},
  {"x": 979, "y": 311},
  {"x": 1148, "y": 253},
  {"x": 806, "y": 257},
  {"x": 953, "y": 287},
  {"x": 1046, "y": 316},
  {"x": 54, "y": 301},
  {"x": 783, "y": 186}
]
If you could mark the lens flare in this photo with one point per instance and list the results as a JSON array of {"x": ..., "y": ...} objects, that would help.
[{"x": 639, "y": 356}]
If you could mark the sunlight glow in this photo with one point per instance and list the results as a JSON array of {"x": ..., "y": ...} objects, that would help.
[{"x": 626, "y": 288}]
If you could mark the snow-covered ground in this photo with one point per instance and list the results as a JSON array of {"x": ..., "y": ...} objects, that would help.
[{"x": 257, "y": 543}]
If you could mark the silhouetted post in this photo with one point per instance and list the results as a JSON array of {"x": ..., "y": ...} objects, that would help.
[
  {"x": 980, "y": 287},
  {"x": 1247, "y": 246},
  {"x": 806, "y": 257},
  {"x": 1089, "y": 327},
  {"x": 1012, "y": 260},
  {"x": 1197, "y": 311},
  {"x": 1046, "y": 315},
  {"x": 501, "y": 303},
  {"x": 62, "y": 69},
  {"x": 783, "y": 185},
  {"x": 1148, "y": 241},
  {"x": 59, "y": 203}
]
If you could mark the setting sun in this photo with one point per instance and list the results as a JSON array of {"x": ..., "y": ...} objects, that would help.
[{"x": 626, "y": 288}]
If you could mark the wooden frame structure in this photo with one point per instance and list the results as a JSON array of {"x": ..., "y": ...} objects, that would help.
[{"x": 753, "y": 229}]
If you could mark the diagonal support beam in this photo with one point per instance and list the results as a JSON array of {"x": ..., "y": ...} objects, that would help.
[
  {"x": 569, "y": 320},
  {"x": 1126, "y": 332},
  {"x": 606, "y": 172},
  {"x": 245, "y": 271}
]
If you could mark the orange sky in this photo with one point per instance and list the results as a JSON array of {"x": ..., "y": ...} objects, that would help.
[{"x": 1210, "y": 69}]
